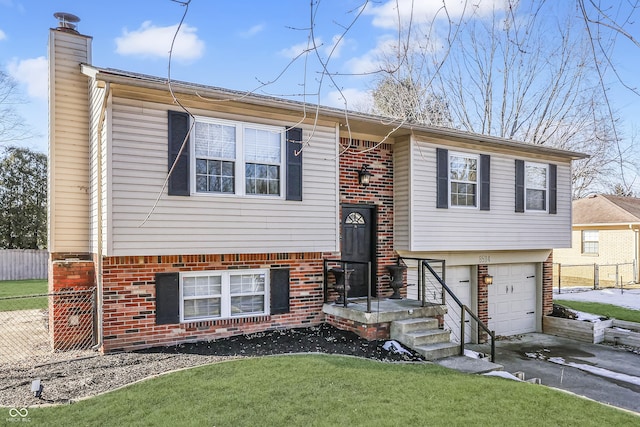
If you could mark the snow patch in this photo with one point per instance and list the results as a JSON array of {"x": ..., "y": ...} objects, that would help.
[{"x": 502, "y": 374}]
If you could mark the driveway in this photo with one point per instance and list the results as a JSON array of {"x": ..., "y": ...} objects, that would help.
[{"x": 600, "y": 372}]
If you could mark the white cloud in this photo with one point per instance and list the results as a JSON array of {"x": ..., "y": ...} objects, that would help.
[
  {"x": 372, "y": 60},
  {"x": 3, "y": 36},
  {"x": 33, "y": 73},
  {"x": 356, "y": 99},
  {"x": 334, "y": 49},
  {"x": 152, "y": 41},
  {"x": 297, "y": 49},
  {"x": 386, "y": 16},
  {"x": 256, "y": 29}
]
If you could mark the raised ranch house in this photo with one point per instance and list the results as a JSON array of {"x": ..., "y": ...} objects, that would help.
[
  {"x": 605, "y": 234},
  {"x": 220, "y": 221}
]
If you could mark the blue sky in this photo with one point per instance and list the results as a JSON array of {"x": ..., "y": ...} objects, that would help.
[{"x": 233, "y": 44}]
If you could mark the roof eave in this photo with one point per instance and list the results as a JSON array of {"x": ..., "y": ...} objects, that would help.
[{"x": 152, "y": 82}]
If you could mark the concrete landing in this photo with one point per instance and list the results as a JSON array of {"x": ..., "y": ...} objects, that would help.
[{"x": 469, "y": 365}]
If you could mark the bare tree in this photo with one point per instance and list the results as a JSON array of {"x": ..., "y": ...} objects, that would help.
[
  {"x": 517, "y": 75},
  {"x": 409, "y": 101},
  {"x": 12, "y": 126}
]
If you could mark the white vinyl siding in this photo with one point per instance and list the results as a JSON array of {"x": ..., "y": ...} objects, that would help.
[
  {"x": 401, "y": 193},
  {"x": 69, "y": 174},
  {"x": 201, "y": 224},
  {"x": 433, "y": 229}
]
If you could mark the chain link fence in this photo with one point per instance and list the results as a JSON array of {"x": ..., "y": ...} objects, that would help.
[
  {"x": 40, "y": 329},
  {"x": 594, "y": 276}
]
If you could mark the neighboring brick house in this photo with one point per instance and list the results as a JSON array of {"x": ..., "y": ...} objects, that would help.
[
  {"x": 260, "y": 193},
  {"x": 605, "y": 233}
]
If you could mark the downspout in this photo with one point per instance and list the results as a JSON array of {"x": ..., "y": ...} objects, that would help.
[
  {"x": 99, "y": 158},
  {"x": 636, "y": 252}
]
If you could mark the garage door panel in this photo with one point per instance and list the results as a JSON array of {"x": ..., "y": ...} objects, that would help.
[{"x": 512, "y": 299}]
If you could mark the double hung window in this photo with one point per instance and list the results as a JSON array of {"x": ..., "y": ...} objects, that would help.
[
  {"x": 590, "y": 242},
  {"x": 463, "y": 180},
  {"x": 223, "y": 294},
  {"x": 238, "y": 158},
  {"x": 536, "y": 185}
]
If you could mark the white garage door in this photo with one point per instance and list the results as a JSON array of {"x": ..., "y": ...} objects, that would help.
[
  {"x": 459, "y": 281},
  {"x": 512, "y": 299}
]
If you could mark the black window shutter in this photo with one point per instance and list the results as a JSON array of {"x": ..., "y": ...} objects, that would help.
[
  {"x": 519, "y": 185},
  {"x": 485, "y": 182},
  {"x": 279, "y": 284},
  {"x": 294, "y": 164},
  {"x": 179, "y": 180},
  {"x": 442, "y": 172},
  {"x": 167, "y": 298},
  {"x": 553, "y": 191}
]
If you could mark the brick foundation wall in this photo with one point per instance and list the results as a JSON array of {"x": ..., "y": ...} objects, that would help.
[
  {"x": 129, "y": 298},
  {"x": 483, "y": 299},
  {"x": 377, "y": 331},
  {"x": 71, "y": 309},
  {"x": 379, "y": 159}
]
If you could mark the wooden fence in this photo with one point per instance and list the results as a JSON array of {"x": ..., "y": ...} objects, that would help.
[{"x": 21, "y": 264}]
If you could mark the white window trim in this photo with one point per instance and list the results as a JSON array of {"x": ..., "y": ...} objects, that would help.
[
  {"x": 239, "y": 169},
  {"x": 546, "y": 189},
  {"x": 225, "y": 303},
  {"x": 477, "y": 182}
]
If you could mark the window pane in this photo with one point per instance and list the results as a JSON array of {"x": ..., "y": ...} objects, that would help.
[
  {"x": 536, "y": 200},
  {"x": 246, "y": 283},
  {"x": 199, "y": 308},
  {"x": 463, "y": 194},
  {"x": 215, "y": 176},
  {"x": 463, "y": 168},
  {"x": 247, "y": 304},
  {"x": 536, "y": 177},
  {"x": 215, "y": 140},
  {"x": 262, "y": 179},
  {"x": 261, "y": 146}
]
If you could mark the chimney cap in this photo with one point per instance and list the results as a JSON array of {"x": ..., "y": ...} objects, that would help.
[{"x": 67, "y": 21}]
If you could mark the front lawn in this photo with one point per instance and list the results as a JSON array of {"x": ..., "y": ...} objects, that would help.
[
  {"x": 14, "y": 288},
  {"x": 606, "y": 310},
  {"x": 322, "y": 390}
]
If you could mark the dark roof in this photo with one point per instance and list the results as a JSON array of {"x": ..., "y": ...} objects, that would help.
[{"x": 606, "y": 209}]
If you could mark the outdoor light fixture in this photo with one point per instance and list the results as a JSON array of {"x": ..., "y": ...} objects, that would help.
[
  {"x": 36, "y": 388},
  {"x": 364, "y": 176},
  {"x": 488, "y": 279}
]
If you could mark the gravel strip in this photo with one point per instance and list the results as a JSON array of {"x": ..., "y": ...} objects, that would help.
[{"x": 90, "y": 374}]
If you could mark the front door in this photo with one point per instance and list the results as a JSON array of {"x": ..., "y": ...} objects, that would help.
[{"x": 358, "y": 242}]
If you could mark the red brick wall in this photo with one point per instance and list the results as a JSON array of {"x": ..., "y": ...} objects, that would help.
[
  {"x": 547, "y": 285},
  {"x": 129, "y": 298},
  {"x": 71, "y": 309},
  {"x": 483, "y": 298},
  {"x": 379, "y": 159}
]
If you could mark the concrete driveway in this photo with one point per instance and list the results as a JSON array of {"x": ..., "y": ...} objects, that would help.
[{"x": 600, "y": 372}]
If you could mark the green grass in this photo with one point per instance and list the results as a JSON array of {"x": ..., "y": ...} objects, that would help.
[
  {"x": 14, "y": 288},
  {"x": 322, "y": 390},
  {"x": 607, "y": 310}
]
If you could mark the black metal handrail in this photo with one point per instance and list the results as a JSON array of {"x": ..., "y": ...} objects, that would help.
[
  {"x": 345, "y": 267},
  {"x": 422, "y": 291},
  {"x": 463, "y": 309}
]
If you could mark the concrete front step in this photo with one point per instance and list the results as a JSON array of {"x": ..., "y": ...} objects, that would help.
[
  {"x": 400, "y": 327},
  {"x": 438, "y": 350},
  {"x": 425, "y": 336}
]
